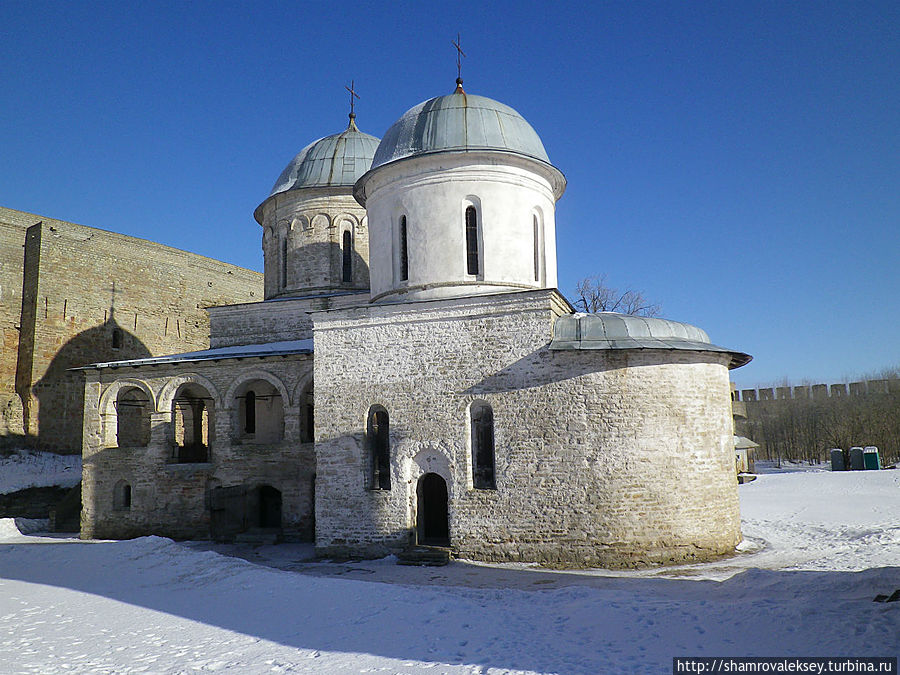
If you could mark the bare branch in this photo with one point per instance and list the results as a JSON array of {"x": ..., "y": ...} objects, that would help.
[{"x": 594, "y": 294}]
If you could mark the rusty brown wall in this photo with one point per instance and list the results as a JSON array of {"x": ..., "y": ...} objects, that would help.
[{"x": 81, "y": 286}]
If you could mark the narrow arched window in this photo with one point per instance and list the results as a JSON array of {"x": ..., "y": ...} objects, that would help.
[
  {"x": 250, "y": 412},
  {"x": 537, "y": 249},
  {"x": 121, "y": 496},
  {"x": 284, "y": 263},
  {"x": 308, "y": 417},
  {"x": 378, "y": 438},
  {"x": 347, "y": 274},
  {"x": 472, "y": 258},
  {"x": 404, "y": 252},
  {"x": 117, "y": 338},
  {"x": 482, "y": 429}
]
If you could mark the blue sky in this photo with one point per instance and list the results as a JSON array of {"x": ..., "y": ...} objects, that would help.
[{"x": 738, "y": 162}]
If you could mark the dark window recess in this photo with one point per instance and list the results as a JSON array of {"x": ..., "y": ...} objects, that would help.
[
  {"x": 309, "y": 426},
  {"x": 537, "y": 250},
  {"x": 472, "y": 262},
  {"x": 284, "y": 263},
  {"x": 404, "y": 252},
  {"x": 250, "y": 412},
  {"x": 117, "y": 336},
  {"x": 483, "y": 447},
  {"x": 378, "y": 434},
  {"x": 122, "y": 496},
  {"x": 347, "y": 275}
]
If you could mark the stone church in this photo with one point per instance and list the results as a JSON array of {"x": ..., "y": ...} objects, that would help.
[{"x": 414, "y": 376}]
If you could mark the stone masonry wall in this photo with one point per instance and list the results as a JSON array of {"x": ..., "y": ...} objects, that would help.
[
  {"x": 602, "y": 458},
  {"x": 303, "y": 233},
  {"x": 12, "y": 239},
  {"x": 172, "y": 499},
  {"x": 92, "y": 296},
  {"x": 273, "y": 320}
]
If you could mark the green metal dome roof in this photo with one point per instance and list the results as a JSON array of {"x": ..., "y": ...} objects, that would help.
[
  {"x": 461, "y": 122},
  {"x": 336, "y": 160},
  {"x": 614, "y": 331}
]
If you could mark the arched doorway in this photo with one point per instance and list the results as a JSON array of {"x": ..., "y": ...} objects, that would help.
[
  {"x": 269, "y": 507},
  {"x": 432, "y": 520}
]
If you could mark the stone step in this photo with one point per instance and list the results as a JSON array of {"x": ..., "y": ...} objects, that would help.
[{"x": 433, "y": 556}]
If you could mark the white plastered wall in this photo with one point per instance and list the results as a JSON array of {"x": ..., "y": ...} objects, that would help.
[{"x": 433, "y": 193}]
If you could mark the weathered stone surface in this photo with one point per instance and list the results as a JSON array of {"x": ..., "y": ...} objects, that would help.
[
  {"x": 602, "y": 458},
  {"x": 173, "y": 499},
  {"x": 303, "y": 242},
  {"x": 91, "y": 295}
]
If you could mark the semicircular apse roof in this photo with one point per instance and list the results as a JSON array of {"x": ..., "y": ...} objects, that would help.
[
  {"x": 461, "y": 122},
  {"x": 614, "y": 331}
]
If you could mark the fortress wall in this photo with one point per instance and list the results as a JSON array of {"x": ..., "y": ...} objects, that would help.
[
  {"x": 12, "y": 238},
  {"x": 82, "y": 285},
  {"x": 817, "y": 391}
]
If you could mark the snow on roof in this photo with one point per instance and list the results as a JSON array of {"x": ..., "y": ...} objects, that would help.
[{"x": 283, "y": 348}]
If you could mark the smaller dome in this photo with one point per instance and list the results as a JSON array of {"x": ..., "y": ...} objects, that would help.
[
  {"x": 614, "y": 331},
  {"x": 460, "y": 122},
  {"x": 336, "y": 160}
]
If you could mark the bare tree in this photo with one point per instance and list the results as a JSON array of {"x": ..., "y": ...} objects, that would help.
[{"x": 594, "y": 294}]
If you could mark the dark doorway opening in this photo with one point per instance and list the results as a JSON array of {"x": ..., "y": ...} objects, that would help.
[
  {"x": 432, "y": 519},
  {"x": 269, "y": 507}
]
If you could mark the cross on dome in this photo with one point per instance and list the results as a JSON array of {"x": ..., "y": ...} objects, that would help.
[
  {"x": 459, "y": 54},
  {"x": 353, "y": 95}
]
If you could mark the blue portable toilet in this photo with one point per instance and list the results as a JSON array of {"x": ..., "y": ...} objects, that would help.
[
  {"x": 837, "y": 460},
  {"x": 856, "y": 459}
]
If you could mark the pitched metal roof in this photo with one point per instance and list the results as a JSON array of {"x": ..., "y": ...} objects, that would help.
[{"x": 282, "y": 348}]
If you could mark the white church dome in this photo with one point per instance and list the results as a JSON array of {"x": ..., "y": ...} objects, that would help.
[
  {"x": 459, "y": 122},
  {"x": 333, "y": 161},
  {"x": 443, "y": 170}
]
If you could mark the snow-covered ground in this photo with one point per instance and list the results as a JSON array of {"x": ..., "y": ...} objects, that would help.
[
  {"x": 21, "y": 469},
  {"x": 824, "y": 544}
]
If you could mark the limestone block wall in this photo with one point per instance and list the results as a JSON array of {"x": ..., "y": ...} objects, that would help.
[
  {"x": 88, "y": 295},
  {"x": 273, "y": 320},
  {"x": 303, "y": 242},
  {"x": 602, "y": 458},
  {"x": 173, "y": 499}
]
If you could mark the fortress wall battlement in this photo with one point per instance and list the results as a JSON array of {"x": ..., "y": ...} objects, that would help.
[{"x": 816, "y": 391}]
